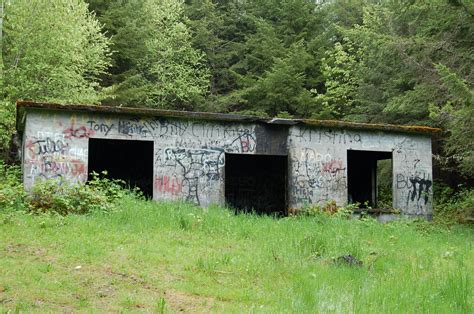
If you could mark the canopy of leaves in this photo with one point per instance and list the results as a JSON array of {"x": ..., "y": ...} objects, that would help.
[
  {"x": 51, "y": 50},
  {"x": 155, "y": 64}
]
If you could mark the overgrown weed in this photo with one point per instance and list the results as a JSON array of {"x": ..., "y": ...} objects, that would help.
[{"x": 63, "y": 198}]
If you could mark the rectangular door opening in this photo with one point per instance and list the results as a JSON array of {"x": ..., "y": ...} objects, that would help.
[
  {"x": 130, "y": 161},
  {"x": 256, "y": 183},
  {"x": 369, "y": 178}
]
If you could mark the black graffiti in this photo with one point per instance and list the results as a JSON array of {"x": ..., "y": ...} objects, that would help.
[
  {"x": 423, "y": 189},
  {"x": 418, "y": 187},
  {"x": 129, "y": 127},
  {"x": 206, "y": 161},
  {"x": 49, "y": 146},
  {"x": 162, "y": 127},
  {"x": 327, "y": 136},
  {"x": 194, "y": 164},
  {"x": 316, "y": 175},
  {"x": 100, "y": 127},
  {"x": 245, "y": 141}
]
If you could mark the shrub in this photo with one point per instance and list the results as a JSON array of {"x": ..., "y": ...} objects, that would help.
[
  {"x": 12, "y": 193},
  {"x": 51, "y": 196},
  {"x": 454, "y": 206},
  {"x": 330, "y": 209}
]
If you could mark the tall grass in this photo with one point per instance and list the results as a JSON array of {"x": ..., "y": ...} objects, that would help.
[{"x": 172, "y": 256}]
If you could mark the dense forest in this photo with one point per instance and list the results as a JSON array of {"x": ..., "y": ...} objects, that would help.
[{"x": 400, "y": 62}]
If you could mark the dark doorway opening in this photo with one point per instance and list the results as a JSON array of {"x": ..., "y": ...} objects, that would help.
[
  {"x": 130, "y": 161},
  {"x": 256, "y": 183},
  {"x": 369, "y": 178}
]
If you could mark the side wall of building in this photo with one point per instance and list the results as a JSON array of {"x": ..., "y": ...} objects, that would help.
[{"x": 189, "y": 156}]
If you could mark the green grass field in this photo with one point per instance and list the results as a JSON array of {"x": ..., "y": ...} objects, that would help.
[{"x": 176, "y": 257}]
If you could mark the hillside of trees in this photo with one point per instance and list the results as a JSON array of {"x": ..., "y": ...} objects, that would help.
[{"x": 400, "y": 62}]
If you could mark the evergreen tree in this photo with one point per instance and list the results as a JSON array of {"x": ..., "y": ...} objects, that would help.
[{"x": 155, "y": 64}]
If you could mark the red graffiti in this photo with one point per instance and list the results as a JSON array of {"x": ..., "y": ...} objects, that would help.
[
  {"x": 165, "y": 184},
  {"x": 81, "y": 132},
  {"x": 333, "y": 166},
  {"x": 245, "y": 143},
  {"x": 30, "y": 146}
]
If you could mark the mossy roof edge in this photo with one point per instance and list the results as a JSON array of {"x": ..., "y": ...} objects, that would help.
[{"x": 24, "y": 105}]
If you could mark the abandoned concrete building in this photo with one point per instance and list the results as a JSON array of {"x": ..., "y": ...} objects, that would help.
[{"x": 268, "y": 165}]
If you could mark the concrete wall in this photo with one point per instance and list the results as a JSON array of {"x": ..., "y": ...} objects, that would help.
[
  {"x": 190, "y": 155},
  {"x": 318, "y": 167}
]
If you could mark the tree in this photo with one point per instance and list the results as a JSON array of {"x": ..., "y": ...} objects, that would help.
[
  {"x": 281, "y": 88},
  {"x": 340, "y": 82},
  {"x": 155, "y": 64},
  {"x": 176, "y": 73},
  {"x": 457, "y": 114},
  {"x": 52, "y": 51},
  {"x": 415, "y": 67}
]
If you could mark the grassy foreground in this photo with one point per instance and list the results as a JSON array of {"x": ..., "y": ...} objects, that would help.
[{"x": 173, "y": 257}]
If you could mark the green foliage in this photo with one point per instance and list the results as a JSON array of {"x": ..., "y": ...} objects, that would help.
[
  {"x": 156, "y": 65},
  {"x": 12, "y": 194},
  {"x": 458, "y": 115},
  {"x": 338, "y": 69},
  {"x": 7, "y": 124},
  {"x": 285, "y": 115},
  {"x": 452, "y": 207},
  {"x": 256, "y": 113},
  {"x": 384, "y": 184},
  {"x": 281, "y": 88},
  {"x": 51, "y": 51},
  {"x": 174, "y": 69},
  {"x": 63, "y": 198},
  {"x": 329, "y": 209}
]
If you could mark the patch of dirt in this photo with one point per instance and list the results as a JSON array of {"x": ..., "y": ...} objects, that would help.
[
  {"x": 175, "y": 300},
  {"x": 18, "y": 248},
  {"x": 187, "y": 303},
  {"x": 132, "y": 278}
]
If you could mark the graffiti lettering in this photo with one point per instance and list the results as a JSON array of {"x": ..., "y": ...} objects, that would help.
[
  {"x": 166, "y": 184},
  {"x": 132, "y": 128},
  {"x": 80, "y": 132},
  {"x": 100, "y": 127},
  {"x": 316, "y": 175},
  {"x": 327, "y": 136},
  {"x": 48, "y": 146},
  {"x": 417, "y": 185}
]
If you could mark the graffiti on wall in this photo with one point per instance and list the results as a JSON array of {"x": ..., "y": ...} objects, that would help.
[
  {"x": 198, "y": 169},
  {"x": 52, "y": 157},
  {"x": 326, "y": 136},
  {"x": 168, "y": 184},
  {"x": 316, "y": 176},
  {"x": 159, "y": 128},
  {"x": 413, "y": 182},
  {"x": 416, "y": 187},
  {"x": 189, "y": 155},
  {"x": 189, "y": 167}
]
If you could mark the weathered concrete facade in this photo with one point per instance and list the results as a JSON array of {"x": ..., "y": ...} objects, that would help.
[{"x": 189, "y": 152}]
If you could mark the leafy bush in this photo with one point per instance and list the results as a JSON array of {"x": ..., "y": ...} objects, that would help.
[
  {"x": 330, "y": 209},
  {"x": 12, "y": 193},
  {"x": 454, "y": 206},
  {"x": 99, "y": 194}
]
